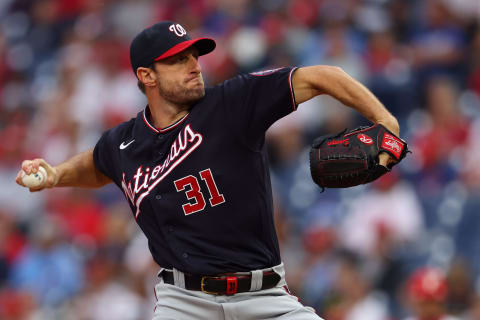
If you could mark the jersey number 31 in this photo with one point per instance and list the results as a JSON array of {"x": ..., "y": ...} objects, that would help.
[{"x": 193, "y": 192}]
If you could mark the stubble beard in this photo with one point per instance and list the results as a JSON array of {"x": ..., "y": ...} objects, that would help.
[{"x": 180, "y": 95}]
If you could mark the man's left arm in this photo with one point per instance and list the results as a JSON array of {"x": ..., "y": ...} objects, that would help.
[{"x": 309, "y": 82}]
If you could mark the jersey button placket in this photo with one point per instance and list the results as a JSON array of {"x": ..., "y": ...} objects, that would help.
[{"x": 160, "y": 138}]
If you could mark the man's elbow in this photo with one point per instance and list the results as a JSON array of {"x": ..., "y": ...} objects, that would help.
[{"x": 100, "y": 179}]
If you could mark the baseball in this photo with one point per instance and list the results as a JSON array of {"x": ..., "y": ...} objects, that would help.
[{"x": 34, "y": 180}]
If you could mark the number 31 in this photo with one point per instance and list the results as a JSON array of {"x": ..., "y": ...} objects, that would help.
[{"x": 194, "y": 192}]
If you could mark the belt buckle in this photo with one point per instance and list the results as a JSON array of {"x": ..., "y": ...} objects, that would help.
[
  {"x": 202, "y": 286},
  {"x": 231, "y": 283}
]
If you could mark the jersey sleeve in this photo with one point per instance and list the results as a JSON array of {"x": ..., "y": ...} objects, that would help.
[
  {"x": 102, "y": 156},
  {"x": 256, "y": 100}
]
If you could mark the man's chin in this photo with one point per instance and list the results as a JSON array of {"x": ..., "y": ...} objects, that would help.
[
  {"x": 198, "y": 93},
  {"x": 195, "y": 95},
  {"x": 186, "y": 96}
]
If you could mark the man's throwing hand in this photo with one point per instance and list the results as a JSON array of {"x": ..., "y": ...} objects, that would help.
[{"x": 33, "y": 167}]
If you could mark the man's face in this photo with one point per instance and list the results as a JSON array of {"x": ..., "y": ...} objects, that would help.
[{"x": 179, "y": 77}]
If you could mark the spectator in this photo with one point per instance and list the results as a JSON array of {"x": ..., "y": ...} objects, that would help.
[
  {"x": 352, "y": 295},
  {"x": 383, "y": 219},
  {"x": 439, "y": 44},
  {"x": 427, "y": 293},
  {"x": 443, "y": 136},
  {"x": 49, "y": 269},
  {"x": 106, "y": 288}
]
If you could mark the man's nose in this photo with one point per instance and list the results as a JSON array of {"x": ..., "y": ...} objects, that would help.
[{"x": 195, "y": 65}]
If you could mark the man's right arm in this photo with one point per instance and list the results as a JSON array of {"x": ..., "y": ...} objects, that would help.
[{"x": 79, "y": 171}]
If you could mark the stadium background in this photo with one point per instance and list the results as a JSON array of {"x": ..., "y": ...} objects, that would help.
[{"x": 65, "y": 78}]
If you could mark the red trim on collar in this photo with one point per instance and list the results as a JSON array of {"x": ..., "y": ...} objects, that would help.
[
  {"x": 147, "y": 123},
  {"x": 170, "y": 127}
]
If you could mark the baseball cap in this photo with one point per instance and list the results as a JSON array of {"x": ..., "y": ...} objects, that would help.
[
  {"x": 428, "y": 284},
  {"x": 163, "y": 40}
]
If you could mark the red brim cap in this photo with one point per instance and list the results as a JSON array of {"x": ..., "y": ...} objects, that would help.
[
  {"x": 428, "y": 284},
  {"x": 204, "y": 46}
]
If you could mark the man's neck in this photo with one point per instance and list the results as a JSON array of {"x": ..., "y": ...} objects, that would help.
[{"x": 164, "y": 114}]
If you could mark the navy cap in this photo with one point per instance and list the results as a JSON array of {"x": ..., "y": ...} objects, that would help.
[{"x": 162, "y": 40}]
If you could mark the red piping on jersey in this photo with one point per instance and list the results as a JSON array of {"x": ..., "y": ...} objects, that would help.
[
  {"x": 148, "y": 124},
  {"x": 164, "y": 129},
  {"x": 291, "y": 89}
]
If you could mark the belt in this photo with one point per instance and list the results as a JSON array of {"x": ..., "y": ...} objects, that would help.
[{"x": 228, "y": 284}]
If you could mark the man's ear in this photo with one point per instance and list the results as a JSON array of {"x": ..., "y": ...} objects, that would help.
[{"x": 147, "y": 76}]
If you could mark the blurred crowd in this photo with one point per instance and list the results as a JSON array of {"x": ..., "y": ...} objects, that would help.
[{"x": 405, "y": 246}]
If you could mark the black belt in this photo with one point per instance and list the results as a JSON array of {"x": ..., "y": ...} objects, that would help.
[{"x": 223, "y": 285}]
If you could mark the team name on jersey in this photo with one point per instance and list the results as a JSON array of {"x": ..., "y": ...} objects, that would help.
[{"x": 145, "y": 180}]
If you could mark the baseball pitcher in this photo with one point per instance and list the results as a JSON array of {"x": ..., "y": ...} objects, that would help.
[{"x": 193, "y": 167}]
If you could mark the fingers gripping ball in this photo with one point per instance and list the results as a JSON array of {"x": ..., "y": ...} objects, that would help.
[
  {"x": 35, "y": 180},
  {"x": 350, "y": 158}
]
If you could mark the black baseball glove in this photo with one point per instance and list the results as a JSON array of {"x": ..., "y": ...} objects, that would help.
[{"x": 350, "y": 158}]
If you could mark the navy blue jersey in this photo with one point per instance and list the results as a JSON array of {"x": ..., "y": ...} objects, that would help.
[{"x": 200, "y": 188}]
